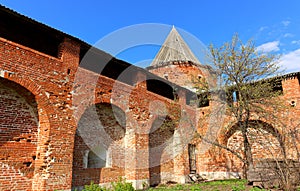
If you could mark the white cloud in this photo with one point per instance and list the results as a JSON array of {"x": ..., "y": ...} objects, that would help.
[
  {"x": 288, "y": 35},
  {"x": 296, "y": 42},
  {"x": 263, "y": 28},
  {"x": 286, "y": 23},
  {"x": 291, "y": 61},
  {"x": 269, "y": 47}
]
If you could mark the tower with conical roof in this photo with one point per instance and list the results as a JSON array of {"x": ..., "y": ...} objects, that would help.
[{"x": 176, "y": 62}]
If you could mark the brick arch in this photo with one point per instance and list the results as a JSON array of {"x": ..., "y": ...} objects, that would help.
[
  {"x": 108, "y": 102},
  {"x": 160, "y": 149},
  {"x": 265, "y": 140},
  {"x": 90, "y": 136},
  {"x": 118, "y": 117},
  {"x": 40, "y": 97},
  {"x": 253, "y": 124},
  {"x": 80, "y": 109},
  {"x": 28, "y": 92},
  {"x": 110, "y": 116},
  {"x": 25, "y": 82}
]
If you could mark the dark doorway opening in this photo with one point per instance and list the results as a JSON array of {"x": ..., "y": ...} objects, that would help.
[{"x": 192, "y": 158}]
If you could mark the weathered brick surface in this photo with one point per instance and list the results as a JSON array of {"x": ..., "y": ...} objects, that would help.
[
  {"x": 217, "y": 163},
  {"x": 179, "y": 73},
  {"x": 107, "y": 131},
  {"x": 161, "y": 134},
  {"x": 50, "y": 81},
  {"x": 45, "y": 101},
  {"x": 18, "y": 136}
]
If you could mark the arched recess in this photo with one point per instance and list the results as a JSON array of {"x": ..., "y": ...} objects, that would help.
[
  {"x": 265, "y": 140},
  {"x": 31, "y": 88},
  {"x": 19, "y": 126},
  {"x": 161, "y": 150},
  {"x": 99, "y": 154}
]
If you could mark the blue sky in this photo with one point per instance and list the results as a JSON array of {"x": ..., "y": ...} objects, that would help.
[{"x": 274, "y": 25}]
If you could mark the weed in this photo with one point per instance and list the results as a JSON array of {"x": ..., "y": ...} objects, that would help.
[
  {"x": 121, "y": 185},
  {"x": 239, "y": 187},
  {"x": 93, "y": 187}
]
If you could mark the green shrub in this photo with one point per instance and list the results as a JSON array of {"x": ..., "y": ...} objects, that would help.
[
  {"x": 239, "y": 187},
  {"x": 94, "y": 187},
  {"x": 121, "y": 185}
]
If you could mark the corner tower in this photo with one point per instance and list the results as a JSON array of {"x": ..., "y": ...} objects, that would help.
[{"x": 176, "y": 62}]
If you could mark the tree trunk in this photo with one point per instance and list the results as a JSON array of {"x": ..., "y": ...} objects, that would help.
[{"x": 247, "y": 151}]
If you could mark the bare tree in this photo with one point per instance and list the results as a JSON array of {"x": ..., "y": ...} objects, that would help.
[
  {"x": 283, "y": 171},
  {"x": 250, "y": 84}
]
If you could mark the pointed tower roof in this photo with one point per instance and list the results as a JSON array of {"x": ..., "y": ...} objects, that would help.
[{"x": 174, "y": 49}]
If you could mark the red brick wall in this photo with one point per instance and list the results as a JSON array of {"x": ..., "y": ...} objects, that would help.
[
  {"x": 18, "y": 136},
  {"x": 180, "y": 74},
  {"x": 263, "y": 145},
  {"x": 47, "y": 79},
  {"x": 51, "y": 83},
  {"x": 160, "y": 159},
  {"x": 219, "y": 163},
  {"x": 106, "y": 130}
]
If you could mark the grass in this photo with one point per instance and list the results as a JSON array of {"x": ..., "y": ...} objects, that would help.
[{"x": 220, "y": 185}]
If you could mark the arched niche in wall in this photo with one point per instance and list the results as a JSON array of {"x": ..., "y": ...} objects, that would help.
[
  {"x": 99, "y": 143},
  {"x": 265, "y": 141},
  {"x": 19, "y": 126},
  {"x": 161, "y": 149}
]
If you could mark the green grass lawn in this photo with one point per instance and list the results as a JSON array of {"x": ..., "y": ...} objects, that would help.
[{"x": 220, "y": 185}]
